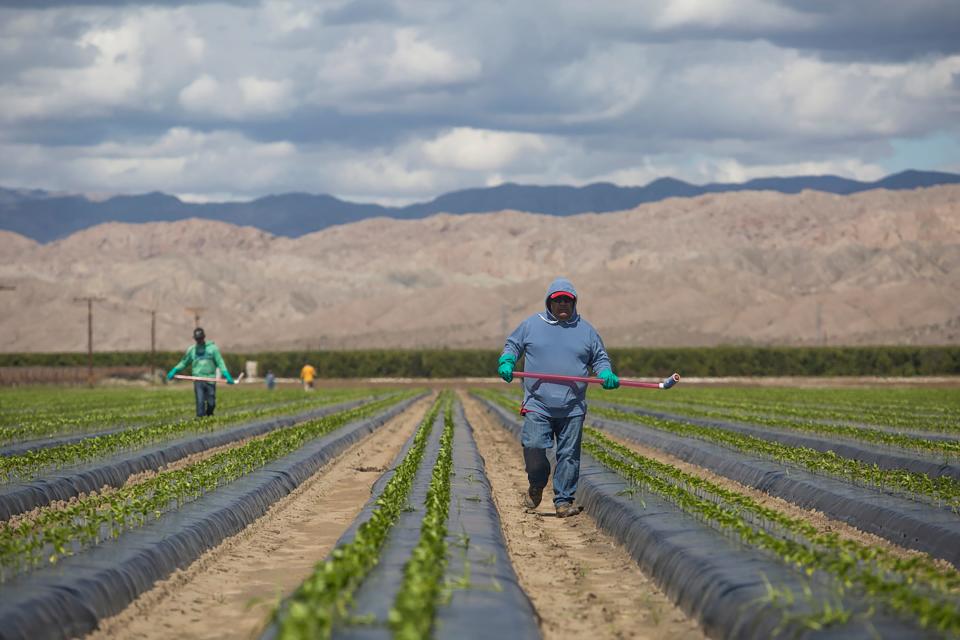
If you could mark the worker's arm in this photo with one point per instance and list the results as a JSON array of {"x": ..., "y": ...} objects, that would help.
[
  {"x": 513, "y": 348},
  {"x": 184, "y": 362},
  {"x": 218, "y": 359},
  {"x": 601, "y": 365}
]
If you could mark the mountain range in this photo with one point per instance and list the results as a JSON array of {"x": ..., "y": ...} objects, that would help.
[
  {"x": 750, "y": 267},
  {"x": 45, "y": 216}
]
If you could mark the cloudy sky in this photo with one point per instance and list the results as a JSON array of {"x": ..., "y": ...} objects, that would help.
[{"x": 400, "y": 101}]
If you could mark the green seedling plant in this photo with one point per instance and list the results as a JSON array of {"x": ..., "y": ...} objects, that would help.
[
  {"x": 325, "y": 596},
  {"x": 918, "y": 486},
  {"x": 35, "y": 462},
  {"x": 57, "y": 532},
  {"x": 412, "y": 614},
  {"x": 915, "y": 587}
]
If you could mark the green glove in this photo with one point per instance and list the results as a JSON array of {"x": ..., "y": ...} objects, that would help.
[
  {"x": 505, "y": 370},
  {"x": 170, "y": 374},
  {"x": 610, "y": 379},
  {"x": 226, "y": 374}
]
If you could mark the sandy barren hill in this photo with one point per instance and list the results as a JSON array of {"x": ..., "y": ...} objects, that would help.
[{"x": 751, "y": 267}]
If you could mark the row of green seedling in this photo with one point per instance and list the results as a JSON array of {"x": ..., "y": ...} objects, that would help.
[
  {"x": 137, "y": 414},
  {"x": 916, "y": 588},
  {"x": 22, "y": 467},
  {"x": 28, "y": 401},
  {"x": 945, "y": 448},
  {"x": 44, "y": 538},
  {"x": 416, "y": 601},
  {"x": 326, "y": 595},
  {"x": 918, "y": 486},
  {"x": 941, "y": 413}
]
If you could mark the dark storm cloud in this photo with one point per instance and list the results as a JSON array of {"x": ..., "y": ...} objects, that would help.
[{"x": 876, "y": 29}]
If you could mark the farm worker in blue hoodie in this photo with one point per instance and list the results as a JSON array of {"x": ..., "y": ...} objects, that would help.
[
  {"x": 206, "y": 359},
  {"x": 560, "y": 342}
]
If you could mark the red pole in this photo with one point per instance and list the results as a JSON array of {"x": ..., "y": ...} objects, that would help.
[{"x": 552, "y": 377}]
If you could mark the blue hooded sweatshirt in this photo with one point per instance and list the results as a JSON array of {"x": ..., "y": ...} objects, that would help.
[{"x": 568, "y": 348}]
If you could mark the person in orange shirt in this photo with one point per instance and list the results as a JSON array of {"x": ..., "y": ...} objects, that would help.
[{"x": 307, "y": 374}]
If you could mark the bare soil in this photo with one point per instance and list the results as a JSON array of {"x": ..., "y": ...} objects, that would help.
[
  {"x": 230, "y": 591},
  {"x": 580, "y": 580}
]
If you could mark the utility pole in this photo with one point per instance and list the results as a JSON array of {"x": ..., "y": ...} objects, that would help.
[
  {"x": 196, "y": 311},
  {"x": 89, "y": 300},
  {"x": 153, "y": 345},
  {"x": 820, "y": 340}
]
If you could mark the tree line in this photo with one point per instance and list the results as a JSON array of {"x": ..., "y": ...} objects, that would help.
[{"x": 629, "y": 362}]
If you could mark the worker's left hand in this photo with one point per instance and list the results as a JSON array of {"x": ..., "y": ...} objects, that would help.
[
  {"x": 610, "y": 379},
  {"x": 230, "y": 380}
]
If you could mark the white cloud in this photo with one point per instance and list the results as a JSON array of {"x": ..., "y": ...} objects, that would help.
[
  {"x": 414, "y": 60},
  {"x": 263, "y": 95},
  {"x": 740, "y": 14},
  {"x": 385, "y": 60},
  {"x": 481, "y": 150},
  {"x": 201, "y": 95},
  {"x": 731, "y": 170},
  {"x": 248, "y": 96}
]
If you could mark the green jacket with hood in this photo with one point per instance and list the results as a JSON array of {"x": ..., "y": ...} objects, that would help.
[{"x": 206, "y": 359}]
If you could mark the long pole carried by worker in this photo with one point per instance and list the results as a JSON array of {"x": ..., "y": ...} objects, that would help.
[
  {"x": 552, "y": 377},
  {"x": 203, "y": 379}
]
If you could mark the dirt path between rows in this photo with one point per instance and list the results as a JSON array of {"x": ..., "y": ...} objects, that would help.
[
  {"x": 230, "y": 590},
  {"x": 582, "y": 583}
]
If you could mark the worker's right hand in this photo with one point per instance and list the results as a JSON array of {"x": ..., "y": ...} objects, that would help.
[
  {"x": 170, "y": 375},
  {"x": 505, "y": 370}
]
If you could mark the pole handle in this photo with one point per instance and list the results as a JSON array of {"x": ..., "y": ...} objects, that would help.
[{"x": 553, "y": 377}]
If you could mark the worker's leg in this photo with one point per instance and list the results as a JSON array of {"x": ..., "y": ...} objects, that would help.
[
  {"x": 569, "y": 439},
  {"x": 211, "y": 397},
  {"x": 200, "y": 395},
  {"x": 536, "y": 437}
]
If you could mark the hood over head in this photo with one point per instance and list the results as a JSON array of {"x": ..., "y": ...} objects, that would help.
[{"x": 561, "y": 285}]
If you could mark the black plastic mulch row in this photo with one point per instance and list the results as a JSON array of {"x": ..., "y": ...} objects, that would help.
[
  {"x": 373, "y": 599},
  {"x": 883, "y": 456},
  {"x": 23, "y": 446},
  {"x": 22, "y": 497},
  {"x": 67, "y": 601},
  {"x": 716, "y": 580},
  {"x": 492, "y": 604},
  {"x": 908, "y": 523}
]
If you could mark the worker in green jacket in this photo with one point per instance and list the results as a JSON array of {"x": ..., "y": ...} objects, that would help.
[{"x": 206, "y": 359}]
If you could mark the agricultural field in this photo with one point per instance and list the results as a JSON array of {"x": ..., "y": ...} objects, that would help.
[{"x": 392, "y": 511}]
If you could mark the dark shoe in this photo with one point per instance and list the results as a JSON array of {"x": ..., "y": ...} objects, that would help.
[
  {"x": 566, "y": 509},
  {"x": 532, "y": 498}
]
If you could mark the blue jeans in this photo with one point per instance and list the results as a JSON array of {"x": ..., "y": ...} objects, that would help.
[
  {"x": 206, "y": 393},
  {"x": 538, "y": 435}
]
